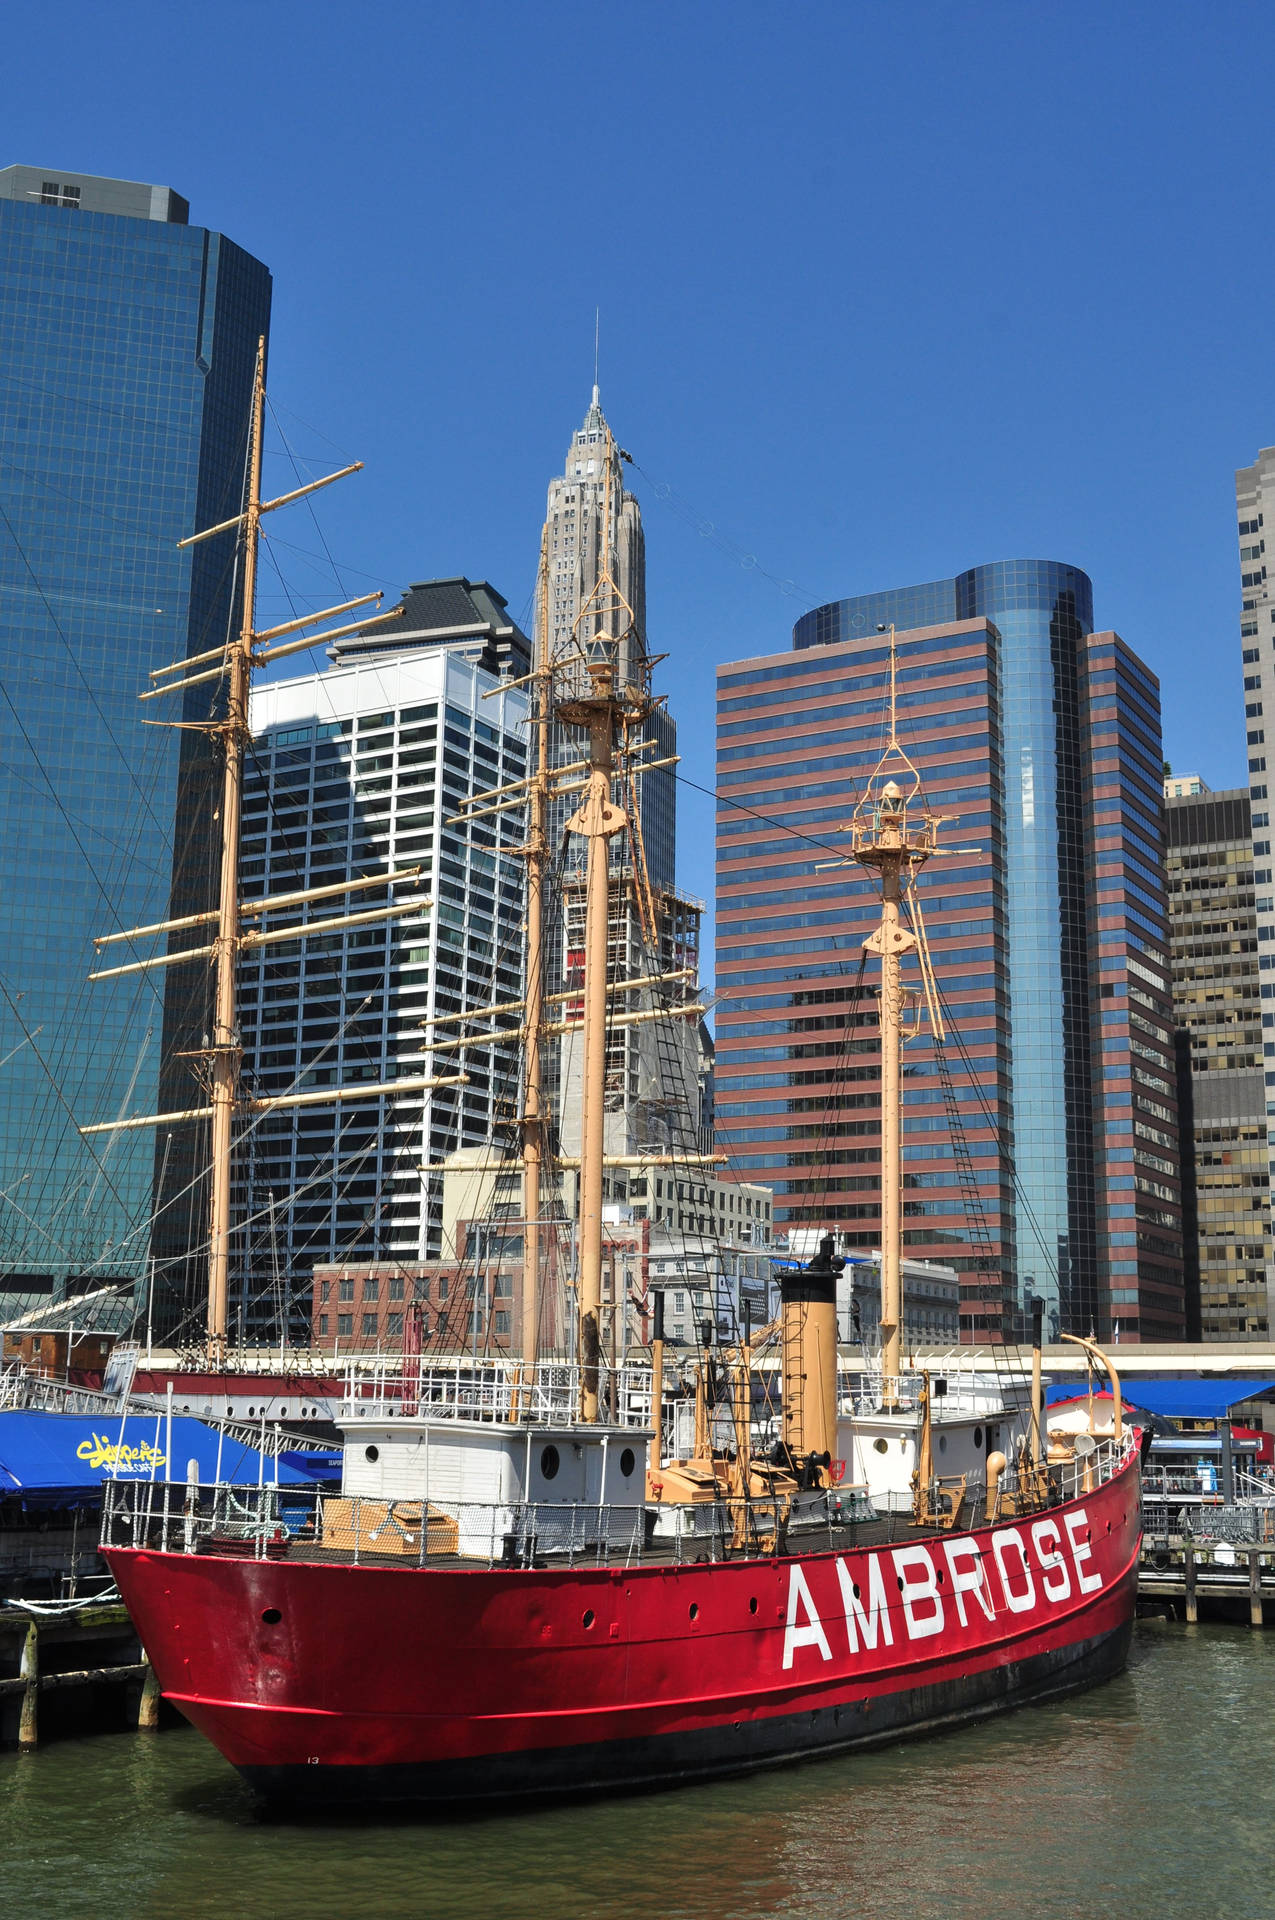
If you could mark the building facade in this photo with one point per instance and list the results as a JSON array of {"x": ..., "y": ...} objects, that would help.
[
  {"x": 127, "y": 344},
  {"x": 354, "y": 771},
  {"x": 1254, "y": 492},
  {"x": 1221, "y": 1092},
  {"x": 999, "y": 675}
]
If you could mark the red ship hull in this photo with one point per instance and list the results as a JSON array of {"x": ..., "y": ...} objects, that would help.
[{"x": 324, "y": 1681}]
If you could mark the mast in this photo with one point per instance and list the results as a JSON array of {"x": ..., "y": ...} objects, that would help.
[
  {"x": 239, "y": 924},
  {"x": 227, "y": 1053},
  {"x": 533, "y": 1017},
  {"x": 897, "y": 847}
]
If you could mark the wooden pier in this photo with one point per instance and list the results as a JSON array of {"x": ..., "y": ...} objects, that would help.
[
  {"x": 93, "y": 1652},
  {"x": 1180, "y": 1574}
]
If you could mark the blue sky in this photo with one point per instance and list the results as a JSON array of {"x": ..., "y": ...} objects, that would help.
[{"x": 887, "y": 290}]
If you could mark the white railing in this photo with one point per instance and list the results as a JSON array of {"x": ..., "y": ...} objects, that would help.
[
  {"x": 269, "y": 1522},
  {"x": 974, "y": 1382},
  {"x": 21, "y": 1389},
  {"x": 1205, "y": 1484},
  {"x": 494, "y": 1391}
]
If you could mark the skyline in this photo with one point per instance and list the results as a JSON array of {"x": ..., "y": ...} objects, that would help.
[{"x": 886, "y": 305}]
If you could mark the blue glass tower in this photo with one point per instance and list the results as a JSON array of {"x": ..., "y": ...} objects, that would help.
[
  {"x": 1043, "y": 611},
  {"x": 127, "y": 341}
]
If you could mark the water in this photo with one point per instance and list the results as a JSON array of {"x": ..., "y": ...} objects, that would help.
[{"x": 1154, "y": 1796}]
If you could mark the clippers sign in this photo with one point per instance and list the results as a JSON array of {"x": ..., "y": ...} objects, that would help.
[{"x": 915, "y": 1592}]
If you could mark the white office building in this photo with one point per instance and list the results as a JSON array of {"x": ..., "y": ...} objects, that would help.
[{"x": 354, "y": 771}]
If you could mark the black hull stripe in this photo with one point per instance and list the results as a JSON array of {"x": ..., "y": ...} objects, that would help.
[{"x": 705, "y": 1753}]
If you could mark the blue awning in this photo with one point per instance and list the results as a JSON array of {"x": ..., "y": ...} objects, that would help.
[
  {"x": 42, "y": 1451},
  {"x": 314, "y": 1465},
  {"x": 1177, "y": 1398}
]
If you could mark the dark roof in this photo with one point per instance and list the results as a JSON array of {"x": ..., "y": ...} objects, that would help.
[{"x": 453, "y": 612}]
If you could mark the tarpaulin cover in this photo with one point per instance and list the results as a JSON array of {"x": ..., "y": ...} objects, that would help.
[
  {"x": 40, "y": 1451},
  {"x": 1176, "y": 1399}
]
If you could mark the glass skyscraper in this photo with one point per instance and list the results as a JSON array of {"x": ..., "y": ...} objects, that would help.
[
  {"x": 1057, "y": 730},
  {"x": 127, "y": 341}
]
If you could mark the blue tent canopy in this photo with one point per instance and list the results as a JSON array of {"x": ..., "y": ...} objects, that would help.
[
  {"x": 1177, "y": 1398},
  {"x": 40, "y": 1452}
]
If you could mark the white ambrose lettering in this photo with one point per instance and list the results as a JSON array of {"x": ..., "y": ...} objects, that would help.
[
  {"x": 965, "y": 1564},
  {"x": 1009, "y": 1540},
  {"x": 1081, "y": 1550},
  {"x": 810, "y": 1635},
  {"x": 877, "y": 1617},
  {"x": 1048, "y": 1544},
  {"x": 924, "y": 1590}
]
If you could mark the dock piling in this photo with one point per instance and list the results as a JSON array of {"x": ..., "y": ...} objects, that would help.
[
  {"x": 1192, "y": 1606},
  {"x": 148, "y": 1705},
  {"x": 29, "y": 1672},
  {"x": 1255, "y": 1587}
]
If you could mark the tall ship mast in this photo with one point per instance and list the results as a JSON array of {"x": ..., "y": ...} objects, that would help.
[
  {"x": 574, "y": 1573},
  {"x": 240, "y": 926}
]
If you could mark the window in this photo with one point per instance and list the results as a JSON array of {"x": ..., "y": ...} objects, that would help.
[
  {"x": 325, "y": 1289},
  {"x": 394, "y": 1326},
  {"x": 345, "y": 1290},
  {"x": 371, "y": 1288},
  {"x": 500, "y": 1322},
  {"x": 369, "y": 1324},
  {"x": 345, "y": 1323},
  {"x": 395, "y": 1290},
  {"x": 323, "y": 1323},
  {"x": 442, "y": 1286}
]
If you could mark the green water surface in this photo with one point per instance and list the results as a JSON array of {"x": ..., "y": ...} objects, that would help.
[{"x": 1152, "y": 1798}]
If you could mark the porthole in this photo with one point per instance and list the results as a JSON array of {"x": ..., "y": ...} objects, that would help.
[
  {"x": 371, "y": 1453},
  {"x": 272, "y": 1616},
  {"x": 752, "y": 1604},
  {"x": 942, "y": 1443},
  {"x": 628, "y": 1460},
  {"x": 882, "y": 1445},
  {"x": 588, "y": 1618},
  {"x": 978, "y": 1436},
  {"x": 693, "y": 1611},
  {"x": 549, "y": 1462},
  {"x": 251, "y": 1412}
]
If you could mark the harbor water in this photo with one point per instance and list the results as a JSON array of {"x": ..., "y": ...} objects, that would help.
[{"x": 1154, "y": 1795}]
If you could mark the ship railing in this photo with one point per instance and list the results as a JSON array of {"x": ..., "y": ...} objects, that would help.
[
  {"x": 19, "y": 1388},
  {"x": 301, "y": 1523},
  {"x": 1060, "y": 1480},
  {"x": 971, "y": 1381},
  {"x": 496, "y": 1391}
]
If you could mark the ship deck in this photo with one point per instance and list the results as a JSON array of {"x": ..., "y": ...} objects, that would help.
[{"x": 883, "y": 1530}]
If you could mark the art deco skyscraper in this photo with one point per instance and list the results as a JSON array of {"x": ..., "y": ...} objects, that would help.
[{"x": 653, "y": 1086}]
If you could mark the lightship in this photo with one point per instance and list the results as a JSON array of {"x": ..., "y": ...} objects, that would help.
[{"x": 522, "y": 1589}]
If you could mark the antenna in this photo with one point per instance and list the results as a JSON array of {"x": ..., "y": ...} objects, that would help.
[{"x": 597, "y": 325}]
